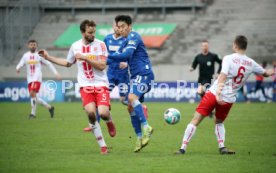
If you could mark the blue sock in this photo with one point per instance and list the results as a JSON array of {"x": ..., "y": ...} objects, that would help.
[
  {"x": 98, "y": 116},
  {"x": 138, "y": 109},
  {"x": 136, "y": 124}
]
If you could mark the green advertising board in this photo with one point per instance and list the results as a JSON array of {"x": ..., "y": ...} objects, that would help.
[{"x": 148, "y": 31}]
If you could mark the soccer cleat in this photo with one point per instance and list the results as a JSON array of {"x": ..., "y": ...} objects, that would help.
[
  {"x": 138, "y": 145},
  {"x": 180, "y": 151},
  {"x": 225, "y": 150},
  {"x": 51, "y": 110},
  {"x": 111, "y": 128},
  {"x": 147, "y": 132},
  {"x": 31, "y": 116},
  {"x": 104, "y": 150},
  {"x": 87, "y": 129},
  {"x": 145, "y": 110}
]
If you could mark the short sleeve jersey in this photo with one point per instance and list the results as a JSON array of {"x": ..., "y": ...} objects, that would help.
[
  {"x": 113, "y": 44},
  {"x": 87, "y": 75},
  {"x": 238, "y": 68},
  {"x": 33, "y": 65},
  {"x": 139, "y": 63}
]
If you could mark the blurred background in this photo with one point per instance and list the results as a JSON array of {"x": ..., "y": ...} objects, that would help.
[{"x": 172, "y": 30}]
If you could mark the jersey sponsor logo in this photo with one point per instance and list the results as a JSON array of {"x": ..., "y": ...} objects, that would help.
[
  {"x": 113, "y": 48},
  {"x": 131, "y": 42},
  {"x": 32, "y": 62},
  {"x": 91, "y": 57},
  {"x": 209, "y": 63}
]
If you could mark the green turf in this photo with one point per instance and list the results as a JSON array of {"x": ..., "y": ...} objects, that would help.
[{"x": 59, "y": 145}]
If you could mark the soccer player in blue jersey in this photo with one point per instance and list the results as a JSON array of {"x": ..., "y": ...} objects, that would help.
[
  {"x": 134, "y": 52},
  {"x": 117, "y": 72}
]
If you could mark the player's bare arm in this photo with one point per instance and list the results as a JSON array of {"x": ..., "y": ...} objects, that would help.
[
  {"x": 97, "y": 64},
  {"x": 59, "y": 61},
  {"x": 221, "y": 80}
]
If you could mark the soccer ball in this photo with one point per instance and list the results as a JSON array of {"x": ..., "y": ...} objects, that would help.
[{"x": 172, "y": 116}]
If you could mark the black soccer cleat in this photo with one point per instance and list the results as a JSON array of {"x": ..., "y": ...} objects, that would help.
[
  {"x": 180, "y": 151},
  {"x": 225, "y": 150},
  {"x": 51, "y": 110},
  {"x": 31, "y": 116}
]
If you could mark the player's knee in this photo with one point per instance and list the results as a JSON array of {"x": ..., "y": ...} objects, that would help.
[
  {"x": 197, "y": 119},
  {"x": 130, "y": 108},
  {"x": 33, "y": 94},
  {"x": 218, "y": 121},
  {"x": 132, "y": 98},
  {"x": 104, "y": 114},
  {"x": 92, "y": 117}
]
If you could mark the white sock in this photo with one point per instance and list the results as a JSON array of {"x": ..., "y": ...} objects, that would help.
[
  {"x": 97, "y": 131},
  {"x": 189, "y": 132},
  {"x": 42, "y": 102},
  {"x": 220, "y": 133},
  {"x": 33, "y": 104}
]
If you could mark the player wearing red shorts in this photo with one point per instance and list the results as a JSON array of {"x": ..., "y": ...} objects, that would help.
[
  {"x": 90, "y": 55},
  {"x": 34, "y": 76},
  {"x": 236, "y": 69}
]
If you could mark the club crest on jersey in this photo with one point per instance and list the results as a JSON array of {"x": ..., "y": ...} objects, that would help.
[
  {"x": 91, "y": 57},
  {"x": 32, "y": 62},
  {"x": 131, "y": 42},
  {"x": 209, "y": 63}
]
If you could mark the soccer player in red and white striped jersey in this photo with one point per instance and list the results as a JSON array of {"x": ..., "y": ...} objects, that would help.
[
  {"x": 90, "y": 56},
  {"x": 34, "y": 76},
  {"x": 236, "y": 68}
]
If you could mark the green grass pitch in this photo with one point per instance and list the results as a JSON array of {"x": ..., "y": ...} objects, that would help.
[{"x": 60, "y": 146}]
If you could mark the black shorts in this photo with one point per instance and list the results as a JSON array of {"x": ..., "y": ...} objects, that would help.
[{"x": 204, "y": 80}]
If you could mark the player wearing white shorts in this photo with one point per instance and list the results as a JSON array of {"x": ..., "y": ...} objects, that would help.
[
  {"x": 236, "y": 69},
  {"x": 90, "y": 55},
  {"x": 34, "y": 76}
]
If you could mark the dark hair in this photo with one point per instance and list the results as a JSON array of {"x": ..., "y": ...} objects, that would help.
[
  {"x": 241, "y": 42},
  {"x": 123, "y": 18},
  {"x": 32, "y": 41},
  {"x": 204, "y": 41},
  {"x": 86, "y": 23}
]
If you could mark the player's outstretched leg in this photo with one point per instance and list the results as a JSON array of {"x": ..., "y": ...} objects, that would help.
[
  {"x": 220, "y": 134},
  {"x": 106, "y": 116},
  {"x": 145, "y": 109},
  {"x": 97, "y": 132},
  {"x": 52, "y": 111},
  {"x": 137, "y": 129},
  {"x": 189, "y": 132},
  {"x": 33, "y": 105},
  {"x": 46, "y": 105},
  {"x": 89, "y": 128},
  {"x": 147, "y": 132}
]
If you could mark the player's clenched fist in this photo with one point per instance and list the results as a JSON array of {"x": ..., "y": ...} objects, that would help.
[{"x": 43, "y": 53}]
